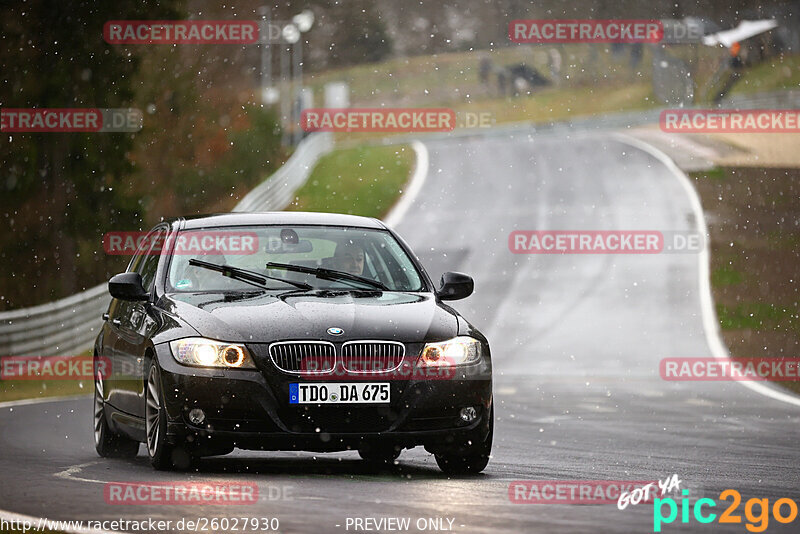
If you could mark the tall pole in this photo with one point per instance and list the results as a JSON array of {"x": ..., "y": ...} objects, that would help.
[
  {"x": 298, "y": 75},
  {"x": 266, "y": 55},
  {"x": 293, "y": 33},
  {"x": 285, "y": 91}
]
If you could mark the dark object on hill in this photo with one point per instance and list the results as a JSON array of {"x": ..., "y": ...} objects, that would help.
[{"x": 525, "y": 78}]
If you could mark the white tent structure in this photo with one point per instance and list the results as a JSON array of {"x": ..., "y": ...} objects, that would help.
[{"x": 745, "y": 30}]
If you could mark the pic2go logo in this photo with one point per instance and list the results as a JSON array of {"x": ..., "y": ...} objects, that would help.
[{"x": 758, "y": 522}]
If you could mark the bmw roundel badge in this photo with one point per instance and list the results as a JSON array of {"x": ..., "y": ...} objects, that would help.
[{"x": 335, "y": 331}]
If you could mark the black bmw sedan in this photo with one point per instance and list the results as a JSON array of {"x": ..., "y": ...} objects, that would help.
[{"x": 288, "y": 331}]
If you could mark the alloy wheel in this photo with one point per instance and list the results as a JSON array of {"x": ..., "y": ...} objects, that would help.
[
  {"x": 152, "y": 412},
  {"x": 98, "y": 408}
]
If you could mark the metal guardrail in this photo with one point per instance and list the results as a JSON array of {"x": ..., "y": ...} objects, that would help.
[
  {"x": 66, "y": 326},
  {"x": 70, "y": 325},
  {"x": 278, "y": 190}
]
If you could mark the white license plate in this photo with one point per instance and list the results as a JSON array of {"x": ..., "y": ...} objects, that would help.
[{"x": 339, "y": 393}]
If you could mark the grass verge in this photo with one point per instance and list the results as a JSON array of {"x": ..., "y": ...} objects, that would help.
[
  {"x": 364, "y": 180},
  {"x": 34, "y": 388},
  {"x": 755, "y": 258},
  {"x": 11, "y": 390}
]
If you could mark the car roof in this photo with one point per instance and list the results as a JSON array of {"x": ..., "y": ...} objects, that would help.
[{"x": 280, "y": 218}]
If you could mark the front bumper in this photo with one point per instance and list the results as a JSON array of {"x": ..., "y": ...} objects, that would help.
[{"x": 249, "y": 409}]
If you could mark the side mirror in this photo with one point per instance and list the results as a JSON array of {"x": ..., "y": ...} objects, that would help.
[
  {"x": 127, "y": 286},
  {"x": 455, "y": 286}
]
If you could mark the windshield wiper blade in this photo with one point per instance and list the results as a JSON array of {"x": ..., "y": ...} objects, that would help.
[
  {"x": 243, "y": 275},
  {"x": 327, "y": 274}
]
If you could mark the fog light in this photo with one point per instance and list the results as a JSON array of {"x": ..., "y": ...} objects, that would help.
[
  {"x": 197, "y": 416},
  {"x": 468, "y": 414}
]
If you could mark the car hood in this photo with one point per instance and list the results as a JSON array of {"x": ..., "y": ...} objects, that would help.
[{"x": 266, "y": 317}]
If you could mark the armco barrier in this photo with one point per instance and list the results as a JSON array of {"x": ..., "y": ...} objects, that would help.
[
  {"x": 278, "y": 191},
  {"x": 70, "y": 325}
]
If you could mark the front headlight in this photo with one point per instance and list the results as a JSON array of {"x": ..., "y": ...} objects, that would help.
[
  {"x": 201, "y": 352},
  {"x": 457, "y": 351}
]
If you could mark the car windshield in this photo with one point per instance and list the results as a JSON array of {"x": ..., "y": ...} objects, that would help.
[{"x": 373, "y": 255}]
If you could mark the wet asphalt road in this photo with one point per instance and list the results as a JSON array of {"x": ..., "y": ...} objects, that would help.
[{"x": 576, "y": 341}]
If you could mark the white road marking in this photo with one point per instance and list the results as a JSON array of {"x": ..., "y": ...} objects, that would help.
[
  {"x": 710, "y": 322},
  {"x": 42, "y": 400},
  {"x": 70, "y": 473},
  {"x": 552, "y": 419},
  {"x": 415, "y": 184}
]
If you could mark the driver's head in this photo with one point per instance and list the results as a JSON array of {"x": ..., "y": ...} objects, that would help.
[{"x": 349, "y": 258}]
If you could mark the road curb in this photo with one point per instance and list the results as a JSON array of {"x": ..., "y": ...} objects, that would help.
[{"x": 415, "y": 184}]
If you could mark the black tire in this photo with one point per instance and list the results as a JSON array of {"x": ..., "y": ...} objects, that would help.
[
  {"x": 470, "y": 461},
  {"x": 163, "y": 455},
  {"x": 379, "y": 455},
  {"x": 107, "y": 443}
]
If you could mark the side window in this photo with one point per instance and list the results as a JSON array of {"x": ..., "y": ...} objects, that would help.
[
  {"x": 149, "y": 260},
  {"x": 141, "y": 251}
]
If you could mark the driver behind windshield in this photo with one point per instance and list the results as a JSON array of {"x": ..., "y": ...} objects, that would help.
[{"x": 349, "y": 258}]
